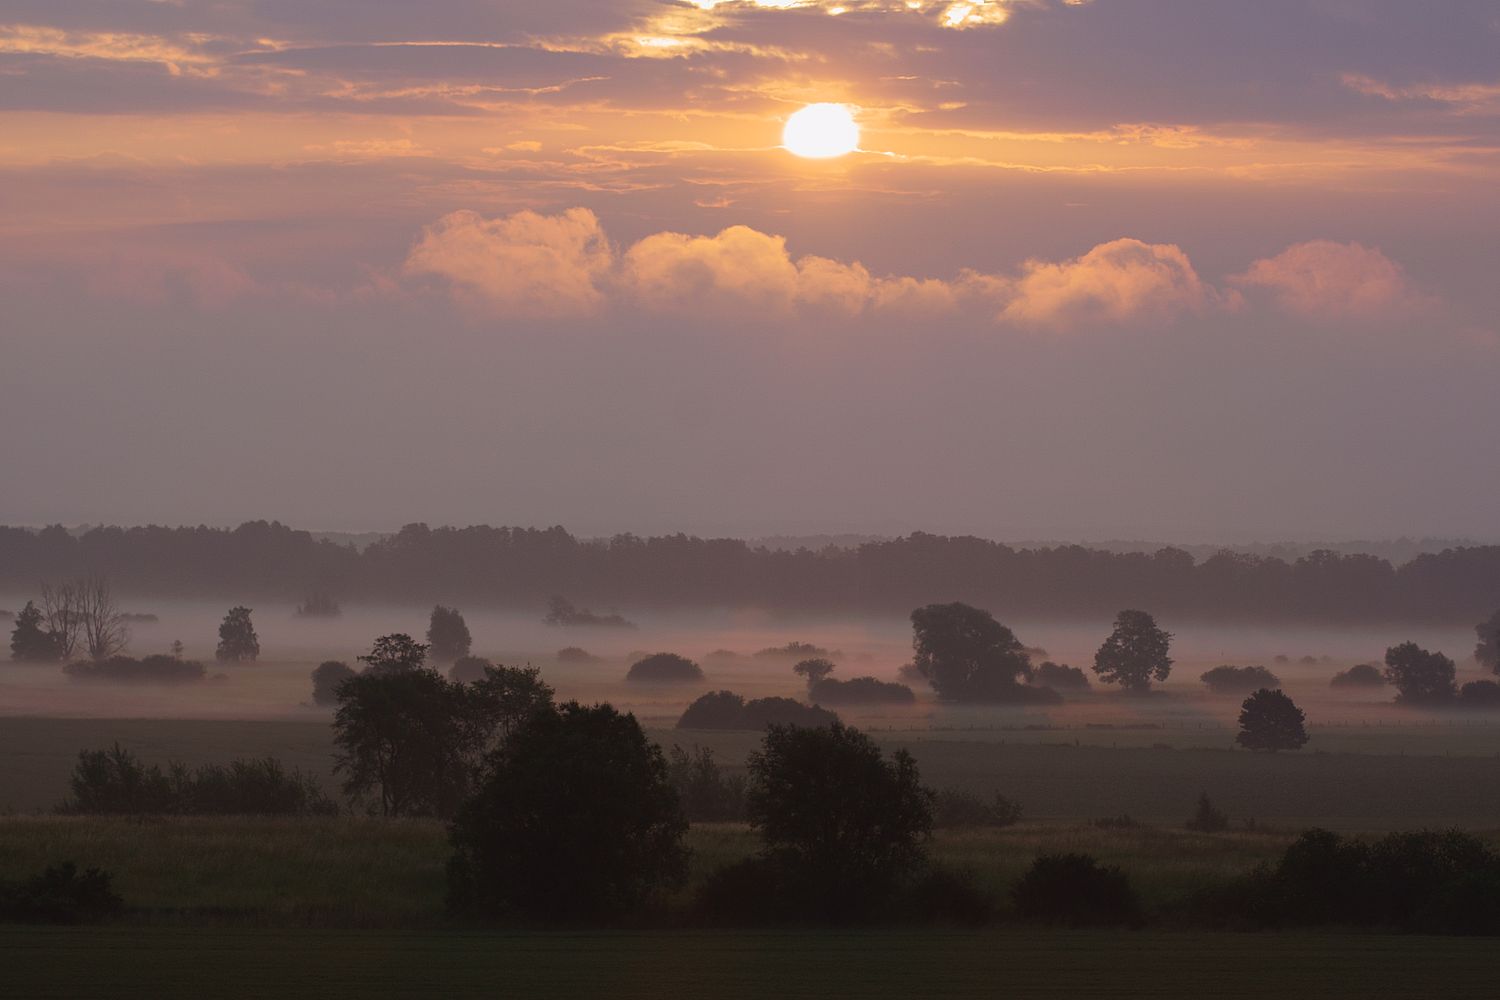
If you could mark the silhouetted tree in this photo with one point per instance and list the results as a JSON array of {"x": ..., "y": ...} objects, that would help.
[
  {"x": 326, "y": 678},
  {"x": 105, "y": 630},
  {"x": 1207, "y": 818},
  {"x": 1487, "y": 650},
  {"x": 237, "y": 639},
  {"x": 1061, "y": 677},
  {"x": 318, "y": 605},
  {"x": 1269, "y": 720},
  {"x": 468, "y": 669},
  {"x": 1238, "y": 680},
  {"x": 1135, "y": 653},
  {"x": 1480, "y": 694},
  {"x": 395, "y": 653},
  {"x": 860, "y": 691},
  {"x": 1361, "y": 675},
  {"x": 62, "y": 606},
  {"x": 506, "y": 697},
  {"x": 966, "y": 655},
  {"x": 158, "y": 668},
  {"x": 29, "y": 641},
  {"x": 813, "y": 670},
  {"x": 839, "y": 820},
  {"x": 727, "y": 710},
  {"x": 706, "y": 794},
  {"x": 576, "y": 819},
  {"x": 448, "y": 634},
  {"x": 409, "y": 736},
  {"x": 1420, "y": 677},
  {"x": 664, "y": 668}
]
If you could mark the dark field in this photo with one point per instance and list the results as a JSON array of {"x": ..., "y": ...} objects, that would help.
[
  {"x": 162, "y": 964},
  {"x": 1052, "y": 779}
]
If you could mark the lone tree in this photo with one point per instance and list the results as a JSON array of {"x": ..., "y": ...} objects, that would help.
[
  {"x": 1269, "y": 720},
  {"x": 237, "y": 639},
  {"x": 29, "y": 641},
  {"x": 105, "y": 631},
  {"x": 448, "y": 634},
  {"x": 62, "y": 607},
  {"x": 842, "y": 823},
  {"x": 576, "y": 819},
  {"x": 966, "y": 655},
  {"x": 1487, "y": 652},
  {"x": 327, "y": 677},
  {"x": 813, "y": 670},
  {"x": 1135, "y": 653},
  {"x": 1420, "y": 677}
]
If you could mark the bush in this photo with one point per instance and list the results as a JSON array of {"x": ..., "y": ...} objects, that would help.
[
  {"x": 115, "y": 782},
  {"x": 1239, "y": 680},
  {"x": 60, "y": 895},
  {"x": 1361, "y": 675},
  {"x": 1271, "y": 721},
  {"x": 468, "y": 669},
  {"x": 795, "y": 651},
  {"x": 860, "y": 691},
  {"x": 956, "y": 808},
  {"x": 1442, "y": 883},
  {"x": 326, "y": 678},
  {"x": 1207, "y": 819},
  {"x": 941, "y": 895},
  {"x": 574, "y": 654},
  {"x": 561, "y": 612},
  {"x": 727, "y": 710},
  {"x": 665, "y": 668},
  {"x": 1419, "y": 676},
  {"x": 1480, "y": 694},
  {"x": 1075, "y": 890},
  {"x": 707, "y": 796},
  {"x": 156, "y": 669},
  {"x": 575, "y": 819},
  {"x": 1060, "y": 677}
]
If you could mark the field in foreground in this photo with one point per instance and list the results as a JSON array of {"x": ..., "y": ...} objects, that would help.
[
  {"x": 389, "y": 873},
  {"x": 166, "y": 963}
]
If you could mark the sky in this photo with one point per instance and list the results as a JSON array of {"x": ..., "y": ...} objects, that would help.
[{"x": 1176, "y": 269}]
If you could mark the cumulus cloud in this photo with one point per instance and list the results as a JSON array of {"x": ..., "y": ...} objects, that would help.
[
  {"x": 1122, "y": 281},
  {"x": 564, "y": 265},
  {"x": 535, "y": 265},
  {"x": 1322, "y": 279}
]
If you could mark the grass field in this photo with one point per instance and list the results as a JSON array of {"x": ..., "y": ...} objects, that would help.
[
  {"x": 382, "y": 873},
  {"x": 1053, "y": 779},
  {"x": 167, "y": 963}
]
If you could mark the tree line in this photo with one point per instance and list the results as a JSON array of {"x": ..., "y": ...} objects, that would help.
[{"x": 527, "y": 567}]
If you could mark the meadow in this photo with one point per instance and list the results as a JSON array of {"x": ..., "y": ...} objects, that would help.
[{"x": 157, "y": 963}]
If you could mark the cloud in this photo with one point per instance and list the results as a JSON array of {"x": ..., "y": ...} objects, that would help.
[
  {"x": 534, "y": 265},
  {"x": 1123, "y": 281},
  {"x": 1321, "y": 279},
  {"x": 738, "y": 266}
]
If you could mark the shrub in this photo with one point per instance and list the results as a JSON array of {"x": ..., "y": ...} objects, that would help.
[
  {"x": 1239, "y": 680},
  {"x": 60, "y": 895},
  {"x": 957, "y": 808},
  {"x": 1269, "y": 720},
  {"x": 561, "y": 612},
  {"x": 1420, "y": 677},
  {"x": 158, "y": 668},
  {"x": 1480, "y": 694},
  {"x": 115, "y": 782},
  {"x": 706, "y": 794},
  {"x": 860, "y": 691},
  {"x": 1361, "y": 675},
  {"x": 468, "y": 669},
  {"x": 326, "y": 678},
  {"x": 574, "y": 654},
  {"x": 1207, "y": 818},
  {"x": 942, "y": 895},
  {"x": 1060, "y": 677},
  {"x": 1075, "y": 890},
  {"x": 575, "y": 819},
  {"x": 727, "y": 710},
  {"x": 664, "y": 668},
  {"x": 795, "y": 651}
]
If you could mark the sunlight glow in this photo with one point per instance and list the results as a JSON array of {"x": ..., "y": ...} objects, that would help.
[{"x": 821, "y": 131}]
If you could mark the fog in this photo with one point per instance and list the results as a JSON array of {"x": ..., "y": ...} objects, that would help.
[{"x": 277, "y": 686}]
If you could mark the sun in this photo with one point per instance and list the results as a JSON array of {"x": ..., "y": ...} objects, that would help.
[{"x": 821, "y": 131}]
